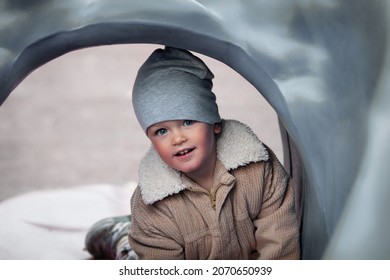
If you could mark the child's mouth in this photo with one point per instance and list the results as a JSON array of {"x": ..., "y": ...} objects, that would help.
[{"x": 184, "y": 152}]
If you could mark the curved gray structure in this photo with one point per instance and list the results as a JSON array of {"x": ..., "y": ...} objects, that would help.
[{"x": 322, "y": 65}]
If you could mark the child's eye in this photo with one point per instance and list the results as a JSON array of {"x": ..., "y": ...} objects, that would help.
[
  {"x": 161, "y": 131},
  {"x": 188, "y": 122}
]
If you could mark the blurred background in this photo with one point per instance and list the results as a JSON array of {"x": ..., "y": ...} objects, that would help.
[{"x": 71, "y": 122}]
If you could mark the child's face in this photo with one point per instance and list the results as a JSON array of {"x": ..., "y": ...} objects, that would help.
[{"x": 185, "y": 145}]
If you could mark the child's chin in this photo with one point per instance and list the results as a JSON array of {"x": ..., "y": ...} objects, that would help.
[{"x": 188, "y": 170}]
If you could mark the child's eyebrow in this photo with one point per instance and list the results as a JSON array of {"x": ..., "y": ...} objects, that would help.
[{"x": 153, "y": 129}]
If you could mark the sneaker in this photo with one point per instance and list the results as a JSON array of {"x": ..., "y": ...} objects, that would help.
[{"x": 103, "y": 237}]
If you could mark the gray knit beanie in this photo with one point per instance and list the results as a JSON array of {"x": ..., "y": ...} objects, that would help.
[{"x": 173, "y": 84}]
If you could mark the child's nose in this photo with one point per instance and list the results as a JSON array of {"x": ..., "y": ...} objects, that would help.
[{"x": 178, "y": 138}]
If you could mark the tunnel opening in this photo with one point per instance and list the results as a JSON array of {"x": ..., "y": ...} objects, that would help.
[{"x": 71, "y": 121}]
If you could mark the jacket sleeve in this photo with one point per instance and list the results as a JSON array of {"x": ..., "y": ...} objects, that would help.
[
  {"x": 277, "y": 226},
  {"x": 153, "y": 234}
]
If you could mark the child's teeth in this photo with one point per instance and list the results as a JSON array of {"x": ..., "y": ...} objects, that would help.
[{"x": 183, "y": 152}]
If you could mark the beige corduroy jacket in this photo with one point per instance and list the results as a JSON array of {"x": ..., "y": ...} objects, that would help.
[{"x": 248, "y": 214}]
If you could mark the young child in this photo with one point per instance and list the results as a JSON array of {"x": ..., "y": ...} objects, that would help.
[{"x": 208, "y": 188}]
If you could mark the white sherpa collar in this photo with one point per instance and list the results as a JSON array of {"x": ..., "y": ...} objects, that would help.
[{"x": 237, "y": 145}]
